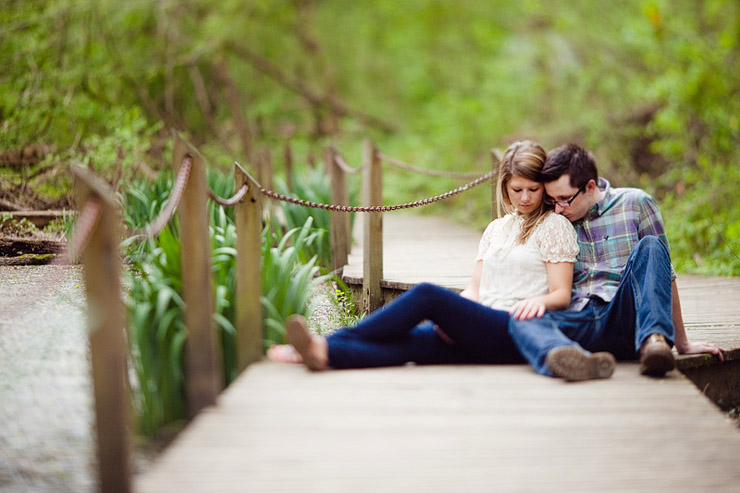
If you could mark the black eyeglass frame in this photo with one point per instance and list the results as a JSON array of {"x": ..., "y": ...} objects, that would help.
[{"x": 565, "y": 203}]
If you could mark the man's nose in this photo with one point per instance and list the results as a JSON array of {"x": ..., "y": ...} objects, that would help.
[{"x": 559, "y": 208}]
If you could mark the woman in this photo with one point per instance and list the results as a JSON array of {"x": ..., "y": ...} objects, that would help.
[{"x": 524, "y": 267}]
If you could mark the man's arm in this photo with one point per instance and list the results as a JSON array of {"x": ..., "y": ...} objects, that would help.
[{"x": 683, "y": 346}]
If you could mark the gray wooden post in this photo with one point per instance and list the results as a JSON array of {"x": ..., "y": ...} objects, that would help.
[
  {"x": 203, "y": 368},
  {"x": 107, "y": 321},
  {"x": 373, "y": 228},
  {"x": 248, "y": 218},
  {"x": 340, "y": 225}
]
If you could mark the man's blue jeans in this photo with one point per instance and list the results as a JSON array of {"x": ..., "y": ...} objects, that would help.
[
  {"x": 641, "y": 306},
  {"x": 457, "y": 331}
]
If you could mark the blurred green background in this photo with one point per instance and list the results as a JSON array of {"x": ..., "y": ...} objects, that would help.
[{"x": 651, "y": 87}]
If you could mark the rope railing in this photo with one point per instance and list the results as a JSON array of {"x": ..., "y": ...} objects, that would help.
[
  {"x": 443, "y": 174},
  {"x": 339, "y": 159},
  {"x": 233, "y": 200},
  {"x": 379, "y": 208},
  {"x": 165, "y": 215}
]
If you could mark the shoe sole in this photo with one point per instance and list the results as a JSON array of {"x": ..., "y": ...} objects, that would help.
[
  {"x": 657, "y": 363},
  {"x": 296, "y": 331},
  {"x": 572, "y": 364}
]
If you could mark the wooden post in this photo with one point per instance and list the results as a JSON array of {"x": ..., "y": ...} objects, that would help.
[
  {"x": 288, "y": 153},
  {"x": 203, "y": 363},
  {"x": 496, "y": 157},
  {"x": 248, "y": 218},
  {"x": 373, "y": 228},
  {"x": 107, "y": 322},
  {"x": 340, "y": 226},
  {"x": 264, "y": 168}
]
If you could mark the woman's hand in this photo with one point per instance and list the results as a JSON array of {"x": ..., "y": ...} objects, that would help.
[{"x": 528, "y": 309}]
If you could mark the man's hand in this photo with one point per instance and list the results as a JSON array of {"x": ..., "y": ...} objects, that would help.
[
  {"x": 529, "y": 308},
  {"x": 700, "y": 347}
]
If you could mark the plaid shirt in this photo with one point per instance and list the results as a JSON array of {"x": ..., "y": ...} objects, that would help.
[{"x": 607, "y": 234}]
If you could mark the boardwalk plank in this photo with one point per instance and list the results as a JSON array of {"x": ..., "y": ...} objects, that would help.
[{"x": 458, "y": 428}]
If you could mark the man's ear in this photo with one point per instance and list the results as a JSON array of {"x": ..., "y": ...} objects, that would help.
[{"x": 591, "y": 185}]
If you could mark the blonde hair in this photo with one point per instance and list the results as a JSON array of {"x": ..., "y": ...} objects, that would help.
[{"x": 526, "y": 159}]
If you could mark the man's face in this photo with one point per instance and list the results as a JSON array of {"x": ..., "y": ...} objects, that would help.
[{"x": 560, "y": 190}]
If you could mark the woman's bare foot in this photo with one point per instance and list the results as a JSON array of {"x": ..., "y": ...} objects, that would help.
[
  {"x": 284, "y": 353},
  {"x": 313, "y": 349}
]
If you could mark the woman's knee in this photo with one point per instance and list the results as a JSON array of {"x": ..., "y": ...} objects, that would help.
[{"x": 426, "y": 289}]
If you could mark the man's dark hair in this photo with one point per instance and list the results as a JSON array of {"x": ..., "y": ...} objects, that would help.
[{"x": 571, "y": 160}]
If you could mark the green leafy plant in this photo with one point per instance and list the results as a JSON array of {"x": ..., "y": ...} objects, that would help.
[
  {"x": 288, "y": 277},
  {"x": 311, "y": 185},
  {"x": 290, "y": 273}
]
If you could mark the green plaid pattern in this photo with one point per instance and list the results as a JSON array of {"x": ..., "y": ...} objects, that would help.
[{"x": 607, "y": 235}]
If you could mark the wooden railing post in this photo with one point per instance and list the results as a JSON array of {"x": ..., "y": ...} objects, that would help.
[
  {"x": 264, "y": 168},
  {"x": 288, "y": 156},
  {"x": 203, "y": 363},
  {"x": 107, "y": 321},
  {"x": 248, "y": 218},
  {"x": 340, "y": 225},
  {"x": 496, "y": 157},
  {"x": 372, "y": 245}
]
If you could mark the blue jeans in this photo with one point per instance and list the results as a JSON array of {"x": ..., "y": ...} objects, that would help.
[
  {"x": 641, "y": 306},
  {"x": 457, "y": 331}
]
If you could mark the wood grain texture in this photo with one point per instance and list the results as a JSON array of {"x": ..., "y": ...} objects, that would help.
[{"x": 454, "y": 428}]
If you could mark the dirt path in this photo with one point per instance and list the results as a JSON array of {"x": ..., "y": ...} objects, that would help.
[{"x": 46, "y": 437}]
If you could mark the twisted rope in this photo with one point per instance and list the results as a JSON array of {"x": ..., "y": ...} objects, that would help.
[
  {"x": 446, "y": 174},
  {"x": 379, "y": 208},
  {"x": 238, "y": 197},
  {"x": 84, "y": 227},
  {"x": 166, "y": 214},
  {"x": 339, "y": 159}
]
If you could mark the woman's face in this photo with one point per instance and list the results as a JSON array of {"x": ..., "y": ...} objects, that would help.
[{"x": 525, "y": 195}]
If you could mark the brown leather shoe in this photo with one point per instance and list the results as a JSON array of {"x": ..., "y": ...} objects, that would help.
[
  {"x": 656, "y": 357},
  {"x": 573, "y": 364}
]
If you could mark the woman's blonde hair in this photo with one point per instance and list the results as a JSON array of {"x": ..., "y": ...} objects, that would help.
[{"x": 526, "y": 159}]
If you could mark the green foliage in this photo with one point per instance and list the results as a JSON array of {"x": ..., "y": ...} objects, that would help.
[
  {"x": 650, "y": 85},
  {"x": 289, "y": 277},
  {"x": 157, "y": 332},
  {"x": 312, "y": 185},
  {"x": 345, "y": 312}
]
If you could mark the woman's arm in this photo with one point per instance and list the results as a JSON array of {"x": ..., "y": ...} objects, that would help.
[
  {"x": 559, "y": 279},
  {"x": 472, "y": 292}
]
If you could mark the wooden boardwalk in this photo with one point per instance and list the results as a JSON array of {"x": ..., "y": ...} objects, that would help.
[{"x": 463, "y": 428}]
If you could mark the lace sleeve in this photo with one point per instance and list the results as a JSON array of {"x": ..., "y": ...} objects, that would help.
[
  {"x": 485, "y": 241},
  {"x": 557, "y": 240}
]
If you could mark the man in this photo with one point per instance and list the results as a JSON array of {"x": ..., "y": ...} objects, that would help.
[{"x": 625, "y": 300}]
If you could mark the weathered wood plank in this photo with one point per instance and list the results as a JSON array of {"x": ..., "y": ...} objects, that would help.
[
  {"x": 458, "y": 428},
  {"x": 203, "y": 357},
  {"x": 248, "y": 220},
  {"x": 372, "y": 195}
]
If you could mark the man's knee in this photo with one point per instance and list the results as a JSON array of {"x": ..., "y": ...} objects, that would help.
[{"x": 651, "y": 244}]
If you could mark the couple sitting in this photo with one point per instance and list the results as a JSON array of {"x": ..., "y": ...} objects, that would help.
[{"x": 574, "y": 274}]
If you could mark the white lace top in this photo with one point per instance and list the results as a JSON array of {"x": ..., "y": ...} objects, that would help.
[{"x": 514, "y": 271}]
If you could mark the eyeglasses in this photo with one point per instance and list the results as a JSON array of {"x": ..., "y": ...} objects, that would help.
[{"x": 564, "y": 203}]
